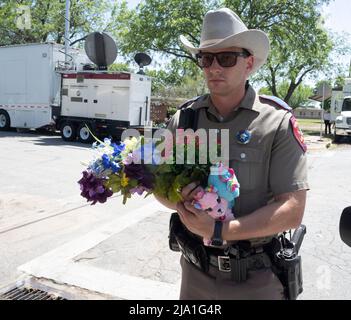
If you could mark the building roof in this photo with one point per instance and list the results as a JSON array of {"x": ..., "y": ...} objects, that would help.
[{"x": 311, "y": 104}]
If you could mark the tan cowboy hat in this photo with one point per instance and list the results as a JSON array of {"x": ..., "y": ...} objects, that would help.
[{"x": 223, "y": 29}]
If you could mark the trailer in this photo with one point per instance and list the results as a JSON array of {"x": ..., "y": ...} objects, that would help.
[
  {"x": 29, "y": 84},
  {"x": 103, "y": 103},
  {"x": 38, "y": 89}
]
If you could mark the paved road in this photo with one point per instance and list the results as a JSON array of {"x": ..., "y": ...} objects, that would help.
[
  {"x": 326, "y": 260},
  {"x": 40, "y": 205},
  {"x": 41, "y": 210}
]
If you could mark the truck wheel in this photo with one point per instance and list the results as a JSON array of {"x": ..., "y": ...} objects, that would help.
[
  {"x": 4, "y": 120},
  {"x": 68, "y": 131},
  {"x": 336, "y": 137},
  {"x": 84, "y": 135}
]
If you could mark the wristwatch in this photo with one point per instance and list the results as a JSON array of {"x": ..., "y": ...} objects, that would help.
[{"x": 217, "y": 234}]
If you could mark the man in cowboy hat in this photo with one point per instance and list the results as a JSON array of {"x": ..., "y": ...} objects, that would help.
[{"x": 267, "y": 152}]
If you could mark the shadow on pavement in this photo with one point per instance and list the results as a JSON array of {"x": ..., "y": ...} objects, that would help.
[
  {"x": 343, "y": 140},
  {"x": 44, "y": 138}
]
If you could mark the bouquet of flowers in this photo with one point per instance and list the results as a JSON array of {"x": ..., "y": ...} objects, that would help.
[{"x": 137, "y": 166}]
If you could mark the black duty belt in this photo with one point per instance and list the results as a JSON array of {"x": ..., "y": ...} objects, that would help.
[
  {"x": 227, "y": 263},
  {"x": 236, "y": 258},
  {"x": 234, "y": 261}
]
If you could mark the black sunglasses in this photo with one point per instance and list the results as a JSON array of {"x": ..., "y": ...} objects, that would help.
[{"x": 224, "y": 59}]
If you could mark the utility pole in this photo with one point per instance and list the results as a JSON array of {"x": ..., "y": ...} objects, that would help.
[
  {"x": 322, "y": 113},
  {"x": 67, "y": 25}
]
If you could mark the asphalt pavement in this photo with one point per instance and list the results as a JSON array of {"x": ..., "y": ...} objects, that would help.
[{"x": 114, "y": 251}]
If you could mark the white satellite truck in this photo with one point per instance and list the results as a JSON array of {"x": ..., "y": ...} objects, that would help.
[
  {"x": 340, "y": 110},
  {"x": 39, "y": 90}
]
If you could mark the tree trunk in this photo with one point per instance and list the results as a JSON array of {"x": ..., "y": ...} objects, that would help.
[
  {"x": 294, "y": 85},
  {"x": 290, "y": 92},
  {"x": 274, "y": 82}
]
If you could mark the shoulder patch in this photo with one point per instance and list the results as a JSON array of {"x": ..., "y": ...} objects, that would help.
[
  {"x": 298, "y": 134},
  {"x": 282, "y": 104},
  {"x": 188, "y": 103}
]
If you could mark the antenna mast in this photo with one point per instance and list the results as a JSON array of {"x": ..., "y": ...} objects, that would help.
[{"x": 67, "y": 20}]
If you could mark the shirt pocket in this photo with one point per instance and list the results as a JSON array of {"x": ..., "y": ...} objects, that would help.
[{"x": 248, "y": 166}]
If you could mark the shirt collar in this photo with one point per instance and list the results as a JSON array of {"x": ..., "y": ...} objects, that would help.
[{"x": 249, "y": 102}]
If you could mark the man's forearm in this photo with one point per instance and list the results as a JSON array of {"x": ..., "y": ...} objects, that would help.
[{"x": 283, "y": 214}]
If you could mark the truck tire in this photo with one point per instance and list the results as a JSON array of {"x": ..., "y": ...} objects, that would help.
[
  {"x": 336, "y": 137},
  {"x": 4, "y": 120},
  {"x": 68, "y": 131},
  {"x": 84, "y": 135}
]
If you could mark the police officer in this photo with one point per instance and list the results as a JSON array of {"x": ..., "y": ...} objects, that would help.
[{"x": 267, "y": 152}]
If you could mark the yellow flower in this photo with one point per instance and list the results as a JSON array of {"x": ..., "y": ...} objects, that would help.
[
  {"x": 124, "y": 180},
  {"x": 130, "y": 145}
]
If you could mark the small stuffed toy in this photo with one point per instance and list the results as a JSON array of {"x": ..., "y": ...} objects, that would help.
[
  {"x": 217, "y": 207},
  {"x": 225, "y": 181},
  {"x": 218, "y": 198}
]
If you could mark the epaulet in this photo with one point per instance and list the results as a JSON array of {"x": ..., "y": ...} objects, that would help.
[
  {"x": 296, "y": 131},
  {"x": 282, "y": 104},
  {"x": 188, "y": 103}
]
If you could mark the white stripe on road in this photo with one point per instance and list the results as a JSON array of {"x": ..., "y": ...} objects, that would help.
[{"x": 58, "y": 264}]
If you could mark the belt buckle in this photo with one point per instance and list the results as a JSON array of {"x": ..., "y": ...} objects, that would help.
[{"x": 224, "y": 263}]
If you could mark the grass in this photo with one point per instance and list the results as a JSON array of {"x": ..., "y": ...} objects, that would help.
[
  {"x": 310, "y": 127},
  {"x": 309, "y": 122}
]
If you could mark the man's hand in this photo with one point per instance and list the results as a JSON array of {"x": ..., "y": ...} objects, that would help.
[
  {"x": 190, "y": 191},
  {"x": 197, "y": 221}
]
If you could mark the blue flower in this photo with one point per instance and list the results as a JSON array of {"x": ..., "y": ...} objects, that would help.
[
  {"x": 117, "y": 149},
  {"x": 110, "y": 164},
  {"x": 95, "y": 167},
  {"x": 115, "y": 166},
  {"x": 105, "y": 161}
]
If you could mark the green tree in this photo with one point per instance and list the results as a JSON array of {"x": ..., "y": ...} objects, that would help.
[
  {"x": 300, "y": 45},
  {"x": 336, "y": 69},
  {"x": 170, "y": 84},
  {"x": 339, "y": 82},
  {"x": 47, "y": 20},
  {"x": 298, "y": 98},
  {"x": 120, "y": 66}
]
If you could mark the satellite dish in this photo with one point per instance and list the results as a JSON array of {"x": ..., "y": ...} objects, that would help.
[
  {"x": 142, "y": 59},
  {"x": 101, "y": 49}
]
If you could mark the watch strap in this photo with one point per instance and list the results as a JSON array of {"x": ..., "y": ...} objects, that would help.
[{"x": 217, "y": 234}]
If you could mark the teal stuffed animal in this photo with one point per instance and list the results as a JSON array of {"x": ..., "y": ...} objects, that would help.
[{"x": 224, "y": 180}]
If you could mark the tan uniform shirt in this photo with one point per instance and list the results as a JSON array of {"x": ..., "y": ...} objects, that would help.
[{"x": 271, "y": 163}]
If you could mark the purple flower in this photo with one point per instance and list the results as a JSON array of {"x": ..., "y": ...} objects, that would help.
[
  {"x": 139, "y": 190},
  {"x": 141, "y": 174},
  {"x": 128, "y": 159},
  {"x": 93, "y": 189}
]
